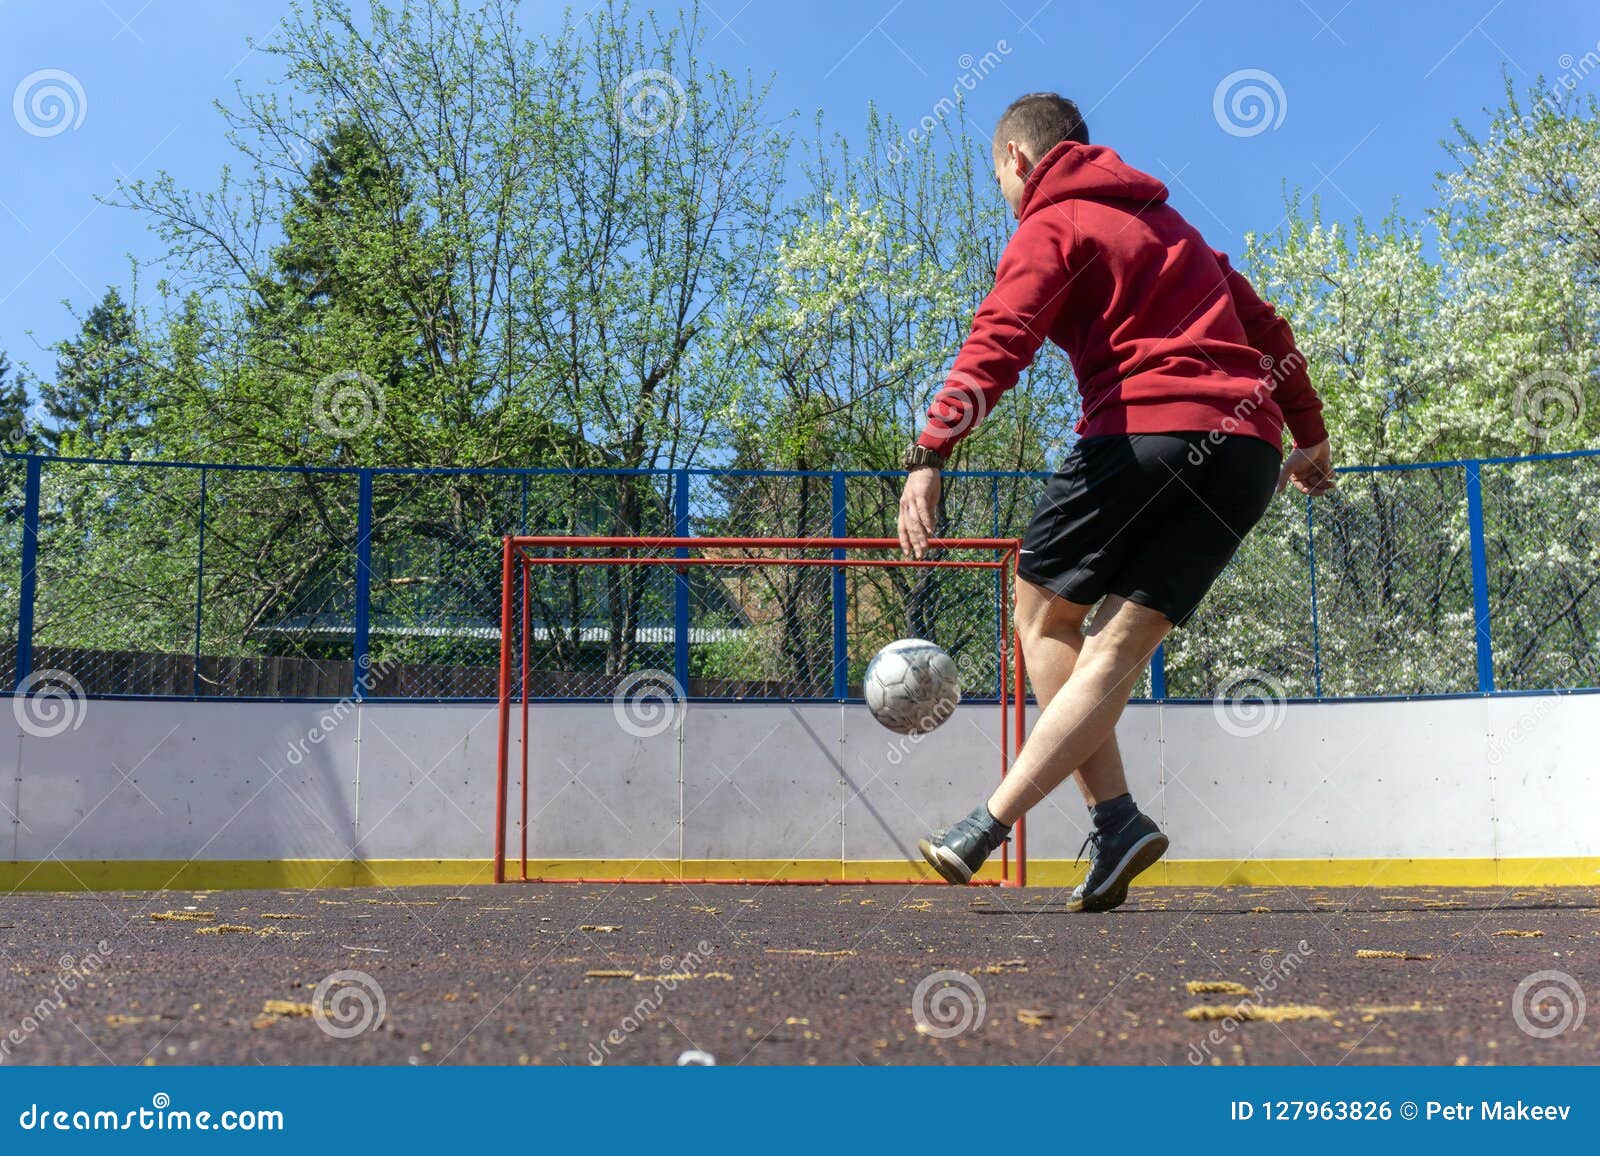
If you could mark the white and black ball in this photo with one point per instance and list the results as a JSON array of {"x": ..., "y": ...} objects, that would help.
[{"x": 912, "y": 686}]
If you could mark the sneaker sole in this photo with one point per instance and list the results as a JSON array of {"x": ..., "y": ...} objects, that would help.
[
  {"x": 946, "y": 862},
  {"x": 1140, "y": 858}
]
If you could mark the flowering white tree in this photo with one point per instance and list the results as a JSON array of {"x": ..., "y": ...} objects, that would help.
[{"x": 1487, "y": 349}]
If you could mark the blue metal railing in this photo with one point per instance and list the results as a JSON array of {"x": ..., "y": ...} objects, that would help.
[{"x": 679, "y": 482}]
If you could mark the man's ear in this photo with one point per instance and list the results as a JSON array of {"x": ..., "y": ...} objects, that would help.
[{"x": 1020, "y": 160}]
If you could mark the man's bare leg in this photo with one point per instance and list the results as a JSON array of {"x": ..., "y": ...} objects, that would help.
[
  {"x": 1076, "y": 731},
  {"x": 1052, "y": 638},
  {"x": 1082, "y": 715}
]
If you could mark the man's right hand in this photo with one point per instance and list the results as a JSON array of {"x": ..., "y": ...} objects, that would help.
[{"x": 1310, "y": 468}]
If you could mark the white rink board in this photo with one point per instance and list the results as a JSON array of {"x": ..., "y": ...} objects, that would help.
[{"x": 151, "y": 780}]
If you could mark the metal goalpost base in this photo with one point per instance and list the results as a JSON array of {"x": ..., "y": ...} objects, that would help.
[{"x": 519, "y": 559}]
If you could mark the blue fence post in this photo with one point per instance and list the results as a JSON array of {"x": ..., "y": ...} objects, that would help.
[
  {"x": 363, "y": 654},
  {"x": 1480, "y": 580},
  {"x": 30, "y": 570},
  {"x": 199, "y": 582},
  {"x": 841, "y": 618},
  {"x": 1158, "y": 674},
  {"x": 1316, "y": 625},
  {"x": 680, "y": 583}
]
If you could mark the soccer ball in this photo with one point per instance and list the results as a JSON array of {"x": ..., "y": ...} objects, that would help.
[{"x": 912, "y": 686}]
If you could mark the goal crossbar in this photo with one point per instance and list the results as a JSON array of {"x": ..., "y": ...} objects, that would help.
[{"x": 522, "y": 553}]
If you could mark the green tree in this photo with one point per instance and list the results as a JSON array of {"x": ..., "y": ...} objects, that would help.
[
  {"x": 17, "y": 435},
  {"x": 101, "y": 399}
]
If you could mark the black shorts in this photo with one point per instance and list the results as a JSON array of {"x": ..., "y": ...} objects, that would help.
[{"x": 1152, "y": 517}]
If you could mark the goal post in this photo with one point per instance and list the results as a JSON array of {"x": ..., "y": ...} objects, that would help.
[{"x": 661, "y": 627}]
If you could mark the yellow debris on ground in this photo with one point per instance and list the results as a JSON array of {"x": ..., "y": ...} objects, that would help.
[
  {"x": 284, "y": 915},
  {"x": 1272, "y": 1014},
  {"x": 1372, "y": 953},
  {"x": 600, "y": 927},
  {"x": 805, "y": 951},
  {"x": 1520, "y": 934},
  {"x": 604, "y": 973},
  {"x": 182, "y": 916},
  {"x": 1004, "y": 966},
  {"x": 1033, "y": 1017},
  {"x": 226, "y": 929},
  {"x": 1216, "y": 987},
  {"x": 285, "y": 1007}
]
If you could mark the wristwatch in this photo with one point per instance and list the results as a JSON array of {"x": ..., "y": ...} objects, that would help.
[{"x": 917, "y": 456}]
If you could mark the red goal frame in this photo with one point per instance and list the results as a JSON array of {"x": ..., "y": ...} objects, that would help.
[{"x": 516, "y": 557}]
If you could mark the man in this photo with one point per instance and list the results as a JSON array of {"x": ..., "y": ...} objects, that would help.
[{"x": 1187, "y": 379}]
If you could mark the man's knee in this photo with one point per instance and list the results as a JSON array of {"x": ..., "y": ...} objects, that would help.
[{"x": 1041, "y": 614}]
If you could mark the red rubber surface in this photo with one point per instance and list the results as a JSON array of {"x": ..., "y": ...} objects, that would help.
[{"x": 797, "y": 975}]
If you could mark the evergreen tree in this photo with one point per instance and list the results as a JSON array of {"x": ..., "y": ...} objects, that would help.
[{"x": 99, "y": 400}]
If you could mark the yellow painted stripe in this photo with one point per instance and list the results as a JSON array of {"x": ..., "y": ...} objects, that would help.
[{"x": 211, "y": 875}]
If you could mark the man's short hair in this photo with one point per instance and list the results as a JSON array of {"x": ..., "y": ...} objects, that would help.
[{"x": 1039, "y": 121}]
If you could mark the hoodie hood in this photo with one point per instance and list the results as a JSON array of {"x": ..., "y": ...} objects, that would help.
[{"x": 1073, "y": 171}]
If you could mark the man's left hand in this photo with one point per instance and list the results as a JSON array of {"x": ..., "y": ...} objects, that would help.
[{"x": 919, "y": 510}]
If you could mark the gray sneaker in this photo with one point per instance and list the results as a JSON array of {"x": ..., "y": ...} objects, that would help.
[
  {"x": 957, "y": 851},
  {"x": 1118, "y": 857}
]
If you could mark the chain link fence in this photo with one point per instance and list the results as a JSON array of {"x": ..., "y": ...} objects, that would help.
[{"x": 187, "y": 580}]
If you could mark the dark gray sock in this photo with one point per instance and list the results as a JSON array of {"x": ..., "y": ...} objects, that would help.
[{"x": 1110, "y": 814}]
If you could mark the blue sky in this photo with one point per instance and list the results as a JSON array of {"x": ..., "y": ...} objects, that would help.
[{"x": 1368, "y": 89}]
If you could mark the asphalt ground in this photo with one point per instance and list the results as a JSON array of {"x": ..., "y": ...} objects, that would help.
[{"x": 642, "y": 974}]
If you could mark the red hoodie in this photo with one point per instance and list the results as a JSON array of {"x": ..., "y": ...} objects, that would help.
[{"x": 1164, "y": 336}]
